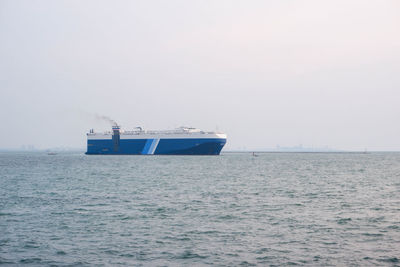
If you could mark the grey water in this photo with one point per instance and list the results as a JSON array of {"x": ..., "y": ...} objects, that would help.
[{"x": 277, "y": 209}]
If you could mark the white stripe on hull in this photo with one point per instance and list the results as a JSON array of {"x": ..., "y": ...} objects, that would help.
[{"x": 154, "y": 146}]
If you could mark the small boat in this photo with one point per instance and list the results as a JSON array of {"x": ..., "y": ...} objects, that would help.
[
  {"x": 51, "y": 153},
  {"x": 254, "y": 154}
]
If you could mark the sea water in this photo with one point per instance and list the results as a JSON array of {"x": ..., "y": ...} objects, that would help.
[{"x": 234, "y": 209}]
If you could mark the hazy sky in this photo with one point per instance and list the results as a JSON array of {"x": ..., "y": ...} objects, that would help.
[{"x": 317, "y": 73}]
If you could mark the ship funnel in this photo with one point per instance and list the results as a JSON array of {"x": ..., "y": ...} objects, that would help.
[
  {"x": 116, "y": 137},
  {"x": 116, "y": 129}
]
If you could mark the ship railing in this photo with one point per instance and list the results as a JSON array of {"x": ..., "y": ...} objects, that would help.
[
  {"x": 161, "y": 132},
  {"x": 153, "y": 132}
]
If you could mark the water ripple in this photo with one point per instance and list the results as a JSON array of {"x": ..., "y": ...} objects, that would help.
[{"x": 231, "y": 210}]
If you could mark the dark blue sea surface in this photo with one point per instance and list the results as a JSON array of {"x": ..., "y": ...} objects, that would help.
[{"x": 235, "y": 209}]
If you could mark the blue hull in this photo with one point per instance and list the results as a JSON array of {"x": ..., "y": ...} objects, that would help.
[{"x": 187, "y": 146}]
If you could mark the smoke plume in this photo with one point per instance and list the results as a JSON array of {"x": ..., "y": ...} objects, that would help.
[
  {"x": 90, "y": 116},
  {"x": 105, "y": 118}
]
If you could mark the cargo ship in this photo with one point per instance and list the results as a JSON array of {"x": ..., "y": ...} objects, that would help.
[{"x": 181, "y": 141}]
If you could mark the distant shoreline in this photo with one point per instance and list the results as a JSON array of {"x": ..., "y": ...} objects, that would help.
[
  {"x": 308, "y": 152},
  {"x": 222, "y": 152}
]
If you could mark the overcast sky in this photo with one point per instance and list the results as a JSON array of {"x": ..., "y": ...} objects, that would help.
[{"x": 267, "y": 73}]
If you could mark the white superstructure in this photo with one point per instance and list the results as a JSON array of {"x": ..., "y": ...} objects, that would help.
[{"x": 139, "y": 133}]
